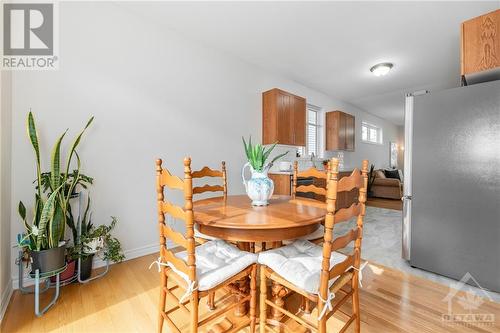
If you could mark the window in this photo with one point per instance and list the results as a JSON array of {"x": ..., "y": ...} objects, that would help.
[
  {"x": 371, "y": 133},
  {"x": 313, "y": 130}
]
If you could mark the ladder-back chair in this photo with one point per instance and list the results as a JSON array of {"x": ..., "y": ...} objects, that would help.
[
  {"x": 290, "y": 266},
  {"x": 318, "y": 188},
  {"x": 312, "y": 188},
  {"x": 221, "y": 264},
  {"x": 206, "y": 172}
]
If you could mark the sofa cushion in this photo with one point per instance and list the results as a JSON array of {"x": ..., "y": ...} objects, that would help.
[
  {"x": 299, "y": 263},
  {"x": 392, "y": 174},
  {"x": 386, "y": 182},
  {"x": 379, "y": 174}
]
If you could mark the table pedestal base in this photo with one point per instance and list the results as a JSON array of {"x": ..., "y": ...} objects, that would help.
[
  {"x": 278, "y": 292},
  {"x": 243, "y": 287}
]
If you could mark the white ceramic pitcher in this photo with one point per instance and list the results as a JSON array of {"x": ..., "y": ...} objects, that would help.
[{"x": 259, "y": 187}]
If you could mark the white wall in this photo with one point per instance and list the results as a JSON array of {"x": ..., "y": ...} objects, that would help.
[
  {"x": 5, "y": 188},
  {"x": 154, "y": 94},
  {"x": 377, "y": 154},
  {"x": 401, "y": 147}
]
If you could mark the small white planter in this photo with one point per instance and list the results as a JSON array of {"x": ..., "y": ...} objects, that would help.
[{"x": 93, "y": 246}]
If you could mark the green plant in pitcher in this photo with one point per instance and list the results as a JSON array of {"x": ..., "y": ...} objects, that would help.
[
  {"x": 53, "y": 192},
  {"x": 257, "y": 154}
]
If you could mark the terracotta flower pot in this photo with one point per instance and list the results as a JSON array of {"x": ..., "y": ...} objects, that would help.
[{"x": 68, "y": 273}]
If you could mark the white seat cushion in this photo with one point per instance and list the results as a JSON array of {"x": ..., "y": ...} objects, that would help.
[
  {"x": 299, "y": 263},
  {"x": 217, "y": 261},
  {"x": 198, "y": 234}
]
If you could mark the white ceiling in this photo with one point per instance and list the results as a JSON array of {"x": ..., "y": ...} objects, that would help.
[{"x": 330, "y": 46}]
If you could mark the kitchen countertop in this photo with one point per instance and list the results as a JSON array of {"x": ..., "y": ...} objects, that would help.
[{"x": 278, "y": 172}]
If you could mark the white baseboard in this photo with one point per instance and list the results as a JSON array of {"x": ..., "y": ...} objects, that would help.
[
  {"x": 98, "y": 262},
  {"x": 5, "y": 300},
  {"x": 131, "y": 254}
]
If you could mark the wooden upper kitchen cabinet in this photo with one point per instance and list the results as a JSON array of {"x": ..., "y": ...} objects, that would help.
[
  {"x": 480, "y": 49},
  {"x": 299, "y": 123},
  {"x": 283, "y": 118},
  {"x": 340, "y": 131}
]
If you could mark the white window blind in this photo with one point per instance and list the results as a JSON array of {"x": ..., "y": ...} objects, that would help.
[
  {"x": 312, "y": 130},
  {"x": 371, "y": 133}
]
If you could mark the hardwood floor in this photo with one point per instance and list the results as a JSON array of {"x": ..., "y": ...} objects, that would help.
[
  {"x": 125, "y": 300},
  {"x": 385, "y": 203}
]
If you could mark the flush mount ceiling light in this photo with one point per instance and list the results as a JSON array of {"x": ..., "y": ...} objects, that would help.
[{"x": 381, "y": 69}]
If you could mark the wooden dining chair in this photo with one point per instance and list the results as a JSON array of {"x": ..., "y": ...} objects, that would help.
[
  {"x": 338, "y": 277},
  {"x": 198, "y": 270},
  {"x": 317, "y": 188},
  {"x": 200, "y": 237},
  {"x": 206, "y": 172}
]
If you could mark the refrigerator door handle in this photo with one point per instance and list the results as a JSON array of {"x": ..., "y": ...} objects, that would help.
[
  {"x": 407, "y": 188},
  {"x": 406, "y": 232}
]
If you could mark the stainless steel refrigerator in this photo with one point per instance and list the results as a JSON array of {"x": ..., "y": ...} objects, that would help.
[{"x": 451, "y": 211}]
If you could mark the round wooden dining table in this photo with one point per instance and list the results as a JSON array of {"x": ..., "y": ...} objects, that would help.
[{"x": 234, "y": 219}]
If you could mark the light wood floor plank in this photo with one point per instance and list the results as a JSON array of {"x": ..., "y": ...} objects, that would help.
[
  {"x": 395, "y": 204},
  {"x": 125, "y": 300}
]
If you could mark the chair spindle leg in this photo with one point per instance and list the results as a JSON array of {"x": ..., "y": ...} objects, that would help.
[
  {"x": 253, "y": 298},
  {"x": 263, "y": 298},
  {"x": 195, "y": 301},
  {"x": 355, "y": 303},
  {"x": 161, "y": 304},
  {"x": 211, "y": 301}
]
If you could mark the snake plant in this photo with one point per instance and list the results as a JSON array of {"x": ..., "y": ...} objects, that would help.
[
  {"x": 52, "y": 197},
  {"x": 257, "y": 155},
  {"x": 82, "y": 181}
]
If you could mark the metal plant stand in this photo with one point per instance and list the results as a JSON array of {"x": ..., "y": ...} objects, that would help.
[
  {"x": 79, "y": 234},
  {"x": 42, "y": 280},
  {"x": 22, "y": 288},
  {"x": 63, "y": 283},
  {"x": 37, "y": 290},
  {"x": 94, "y": 277}
]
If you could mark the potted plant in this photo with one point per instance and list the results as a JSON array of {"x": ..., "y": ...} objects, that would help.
[
  {"x": 69, "y": 272},
  {"x": 95, "y": 239},
  {"x": 44, "y": 235},
  {"x": 259, "y": 187},
  {"x": 82, "y": 182},
  {"x": 89, "y": 243},
  {"x": 325, "y": 164}
]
